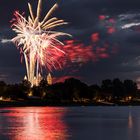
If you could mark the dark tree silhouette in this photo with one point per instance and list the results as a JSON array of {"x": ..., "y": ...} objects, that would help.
[
  {"x": 107, "y": 88},
  {"x": 130, "y": 88},
  {"x": 3, "y": 88},
  {"x": 72, "y": 91},
  {"x": 94, "y": 91},
  {"x": 118, "y": 88}
]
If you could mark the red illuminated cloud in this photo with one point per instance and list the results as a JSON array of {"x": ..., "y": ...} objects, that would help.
[
  {"x": 111, "y": 20},
  {"x": 109, "y": 23},
  {"x": 102, "y": 17},
  {"x": 63, "y": 78},
  {"x": 111, "y": 30},
  {"x": 78, "y": 52},
  {"x": 95, "y": 37},
  {"x": 102, "y": 52}
]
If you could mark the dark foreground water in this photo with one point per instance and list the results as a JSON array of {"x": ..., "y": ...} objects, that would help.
[{"x": 70, "y": 123}]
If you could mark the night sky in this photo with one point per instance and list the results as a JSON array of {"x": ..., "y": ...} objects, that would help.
[{"x": 110, "y": 27}]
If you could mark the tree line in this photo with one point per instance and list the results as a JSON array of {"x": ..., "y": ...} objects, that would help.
[{"x": 72, "y": 90}]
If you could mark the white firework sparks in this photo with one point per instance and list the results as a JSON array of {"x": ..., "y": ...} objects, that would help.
[{"x": 35, "y": 39}]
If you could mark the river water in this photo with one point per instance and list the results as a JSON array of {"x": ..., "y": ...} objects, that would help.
[{"x": 70, "y": 123}]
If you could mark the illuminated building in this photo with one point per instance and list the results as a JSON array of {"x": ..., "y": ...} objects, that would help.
[
  {"x": 38, "y": 79},
  {"x": 49, "y": 79},
  {"x": 25, "y": 77}
]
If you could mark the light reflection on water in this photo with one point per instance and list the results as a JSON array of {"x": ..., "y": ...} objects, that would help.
[
  {"x": 33, "y": 123},
  {"x": 70, "y": 123}
]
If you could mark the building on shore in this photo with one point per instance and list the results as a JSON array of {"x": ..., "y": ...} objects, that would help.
[
  {"x": 49, "y": 79},
  {"x": 38, "y": 79}
]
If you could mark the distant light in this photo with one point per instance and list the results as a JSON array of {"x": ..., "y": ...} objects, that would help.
[
  {"x": 30, "y": 94},
  {"x": 1, "y": 98}
]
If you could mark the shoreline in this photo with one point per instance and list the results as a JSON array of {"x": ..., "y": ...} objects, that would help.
[{"x": 41, "y": 103}]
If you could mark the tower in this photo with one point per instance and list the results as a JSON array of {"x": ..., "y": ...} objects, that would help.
[
  {"x": 49, "y": 79},
  {"x": 25, "y": 77}
]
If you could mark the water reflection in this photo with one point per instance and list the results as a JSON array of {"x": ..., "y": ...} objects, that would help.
[
  {"x": 33, "y": 123},
  {"x": 70, "y": 123},
  {"x": 130, "y": 120}
]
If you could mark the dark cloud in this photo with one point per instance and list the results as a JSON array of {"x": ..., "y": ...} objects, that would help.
[{"x": 84, "y": 17}]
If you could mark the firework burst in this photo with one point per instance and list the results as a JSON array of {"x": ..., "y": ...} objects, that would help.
[{"x": 36, "y": 40}]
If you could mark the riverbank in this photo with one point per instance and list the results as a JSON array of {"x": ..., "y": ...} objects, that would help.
[{"x": 29, "y": 103}]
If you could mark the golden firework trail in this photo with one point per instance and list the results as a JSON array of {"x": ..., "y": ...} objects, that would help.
[{"x": 36, "y": 40}]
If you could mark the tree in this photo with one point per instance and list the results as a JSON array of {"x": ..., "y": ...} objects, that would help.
[
  {"x": 3, "y": 88},
  {"x": 130, "y": 88},
  {"x": 76, "y": 89},
  {"x": 107, "y": 87},
  {"x": 94, "y": 91},
  {"x": 118, "y": 88},
  {"x": 43, "y": 88}
]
